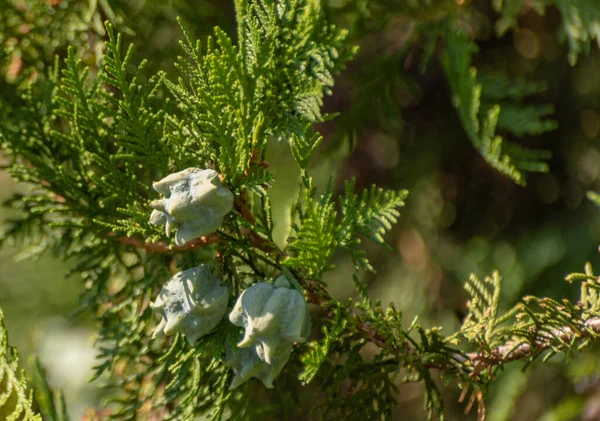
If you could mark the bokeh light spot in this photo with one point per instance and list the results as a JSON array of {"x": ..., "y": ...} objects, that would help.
[
  {"x": 590, "y": 123},
  {"x": 527, "y": 43}
]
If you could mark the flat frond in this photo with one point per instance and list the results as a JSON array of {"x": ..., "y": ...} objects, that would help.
[
  {"x": 481, "y": 121},
  {"x": 369, "y": 216},
  {"x": 517, "y": 116},
  {"x": 319, "y": 351},
  {"x": 15, "y": 396},
  {"x": 316, "y": 237},
  {"x": 483, "y": 307},
  {"x": 303, "y": 146},
  {"x": 580, "y": 25}
]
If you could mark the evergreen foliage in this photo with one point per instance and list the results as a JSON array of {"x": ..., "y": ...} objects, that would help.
[
  {"x": 15, "y": 394},
  {"x": 89, "y": 136},
  {"x": 579, "y": 27},
  {"x": 51, "y": 403},
  {"x": 481, "y": 119}
]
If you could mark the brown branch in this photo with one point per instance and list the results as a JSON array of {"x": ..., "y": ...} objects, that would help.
[
  {"x": 516, "y": 350},
  {"x": 162, "y": 247},
  {"x": 214, "y": 238},
  {"x": 317, "y": 294},
  {"x": 243, "y": 208},
  {"x": 480, "y": 360}
]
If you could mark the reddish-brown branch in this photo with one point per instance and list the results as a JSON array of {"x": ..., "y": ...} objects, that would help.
[
  {"x": 512, "y": 351},
  {"x": 318, "y": 295},
  {"x": 242, "y": 206},
  {"x": 162, "y": 247}
]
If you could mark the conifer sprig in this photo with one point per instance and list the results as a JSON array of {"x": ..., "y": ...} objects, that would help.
[
  {"x": 537, "y": 327},
  {"x": 319, "y": 231},
  {"x": 481, "y": 120},
  {"x": 579, "y": 26},
  {"x": 15, "y": 395},
  {"x": 269, "y": 85},
  {"x": 315, "y": 239}
]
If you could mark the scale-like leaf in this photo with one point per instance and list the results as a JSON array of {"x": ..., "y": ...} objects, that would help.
[{"x": 15, "y": 396}]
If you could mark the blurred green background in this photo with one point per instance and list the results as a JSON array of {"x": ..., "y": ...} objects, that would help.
[{"x": 397, "y": 129}]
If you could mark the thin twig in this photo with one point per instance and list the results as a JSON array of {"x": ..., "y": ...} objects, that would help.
[
  {"x": 317, "y": 294},
  {"x": 214, "y": 238},
  {"x": 162, "y": 247},
  {"x": 516, "y": 350},
  {"x": 480, "y": 360}
]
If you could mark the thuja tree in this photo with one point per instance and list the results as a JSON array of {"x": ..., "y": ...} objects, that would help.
[{"x": 154, "y": 183}]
